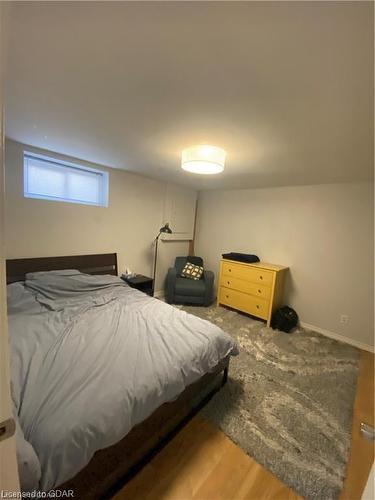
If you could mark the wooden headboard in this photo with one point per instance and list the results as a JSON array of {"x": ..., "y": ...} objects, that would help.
[{"x": 103, "y": 263}]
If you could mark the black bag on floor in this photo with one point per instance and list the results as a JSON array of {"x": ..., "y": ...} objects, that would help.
[{"x": 284, "y": 319}]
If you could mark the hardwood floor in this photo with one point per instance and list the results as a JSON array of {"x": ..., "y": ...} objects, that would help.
[{"x": 201, "y": 463}]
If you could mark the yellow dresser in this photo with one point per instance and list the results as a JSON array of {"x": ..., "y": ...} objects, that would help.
[{"x": 256, "y": 289}]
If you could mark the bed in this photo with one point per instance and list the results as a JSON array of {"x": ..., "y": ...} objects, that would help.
[{"x": 102, "y": 374}]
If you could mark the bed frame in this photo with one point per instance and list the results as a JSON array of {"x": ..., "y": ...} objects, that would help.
[
  {"x": 112, "y": 467},
  {"x": 103, "y": 263}
]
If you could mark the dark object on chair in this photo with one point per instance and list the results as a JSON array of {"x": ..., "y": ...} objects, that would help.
[
  {"x": 180, "y": 290},
  {"x": 241, "y": 257},
  {"x": 285, "y": 319}
]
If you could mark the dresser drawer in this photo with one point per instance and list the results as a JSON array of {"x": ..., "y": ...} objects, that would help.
[
  {"x": 247, "y": 273},
  {"x": 244, "y": 302},
  {"x": 261, "y": 291}
]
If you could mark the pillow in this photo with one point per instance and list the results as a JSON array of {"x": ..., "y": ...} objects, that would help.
[
  {"x": 57, "y": 272},
  {"x": 19, "y": 298},
  {"x": 192, "y": 271},
  {"x": 15, "y": 291}
]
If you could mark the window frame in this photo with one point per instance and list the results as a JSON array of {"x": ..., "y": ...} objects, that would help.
[{"x": 103, "y": 183}]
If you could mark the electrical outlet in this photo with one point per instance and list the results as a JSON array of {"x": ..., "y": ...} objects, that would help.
[{"x": 344, "y": 319}]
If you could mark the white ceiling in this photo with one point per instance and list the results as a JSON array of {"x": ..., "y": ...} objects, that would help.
[{"x": 285, "y": 87}]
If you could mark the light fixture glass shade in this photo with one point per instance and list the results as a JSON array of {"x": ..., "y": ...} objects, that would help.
[{"x": 203, "y": 159}]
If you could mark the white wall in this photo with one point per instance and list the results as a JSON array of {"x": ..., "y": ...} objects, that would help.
[
  {"x": 38, "y": 228},
  {"x": 324, "y": 233},
  {"x": 369, "y": 492}
]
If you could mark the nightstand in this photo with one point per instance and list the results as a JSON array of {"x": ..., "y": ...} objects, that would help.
[{"x": 140, "y": 282}]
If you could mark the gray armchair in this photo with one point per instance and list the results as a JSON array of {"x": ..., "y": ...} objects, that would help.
[{"x": 180, "y": 290}]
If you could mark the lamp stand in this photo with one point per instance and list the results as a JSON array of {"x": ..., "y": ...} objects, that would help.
[
  {"x": 164, "y": 229},
  {"x": 155, "y": 260}
]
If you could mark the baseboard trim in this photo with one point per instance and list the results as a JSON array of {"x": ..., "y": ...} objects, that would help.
[{"x": 337, "y": 336}]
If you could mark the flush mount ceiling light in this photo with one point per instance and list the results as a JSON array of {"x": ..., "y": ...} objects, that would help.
[{"x": 203, "y": 159}]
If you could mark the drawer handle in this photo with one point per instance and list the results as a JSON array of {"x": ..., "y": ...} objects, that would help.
[
  {"x": 257, "y": 306},
  {"x": 261, "y": 277},
  {"x": 230, "y": 270},
  {"x": 228, "y": 282},
  {"x": 259, "y": 291},
  {"x": 227, "y": 296}
]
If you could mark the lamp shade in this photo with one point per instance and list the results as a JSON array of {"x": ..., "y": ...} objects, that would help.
[
  {"x": 203, "y": 159},
  {"x": 165, "y": 229}
]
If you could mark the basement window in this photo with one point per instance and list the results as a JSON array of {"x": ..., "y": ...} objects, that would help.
[{"x": 52, "y": 179}]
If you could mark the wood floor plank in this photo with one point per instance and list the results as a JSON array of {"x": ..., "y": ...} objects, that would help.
[
  {"x": 194, "y": 466},
  {"x": 264, "y": 485},
  {"x": 226, "y": 476},
  {"x": 201, "y": 463}
]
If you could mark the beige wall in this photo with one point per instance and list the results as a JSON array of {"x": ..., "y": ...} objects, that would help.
[
  {"x": 8, "y": 462},
  {"x": 369, "y": 493},
  {"x": 325, "y": 235},
  {"x": 37, "y": 228}
]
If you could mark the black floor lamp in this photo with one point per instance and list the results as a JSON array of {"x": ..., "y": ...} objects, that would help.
[{"x": 164, "y": 229}]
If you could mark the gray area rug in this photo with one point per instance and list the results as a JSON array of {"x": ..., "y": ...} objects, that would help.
[{"x": 288, "y": 402}]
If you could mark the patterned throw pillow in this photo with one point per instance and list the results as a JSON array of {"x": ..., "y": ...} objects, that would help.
[{"x": 192, "y": 272}]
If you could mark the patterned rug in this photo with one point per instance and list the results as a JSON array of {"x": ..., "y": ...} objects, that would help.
[{"x": 288, "y": 402}]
